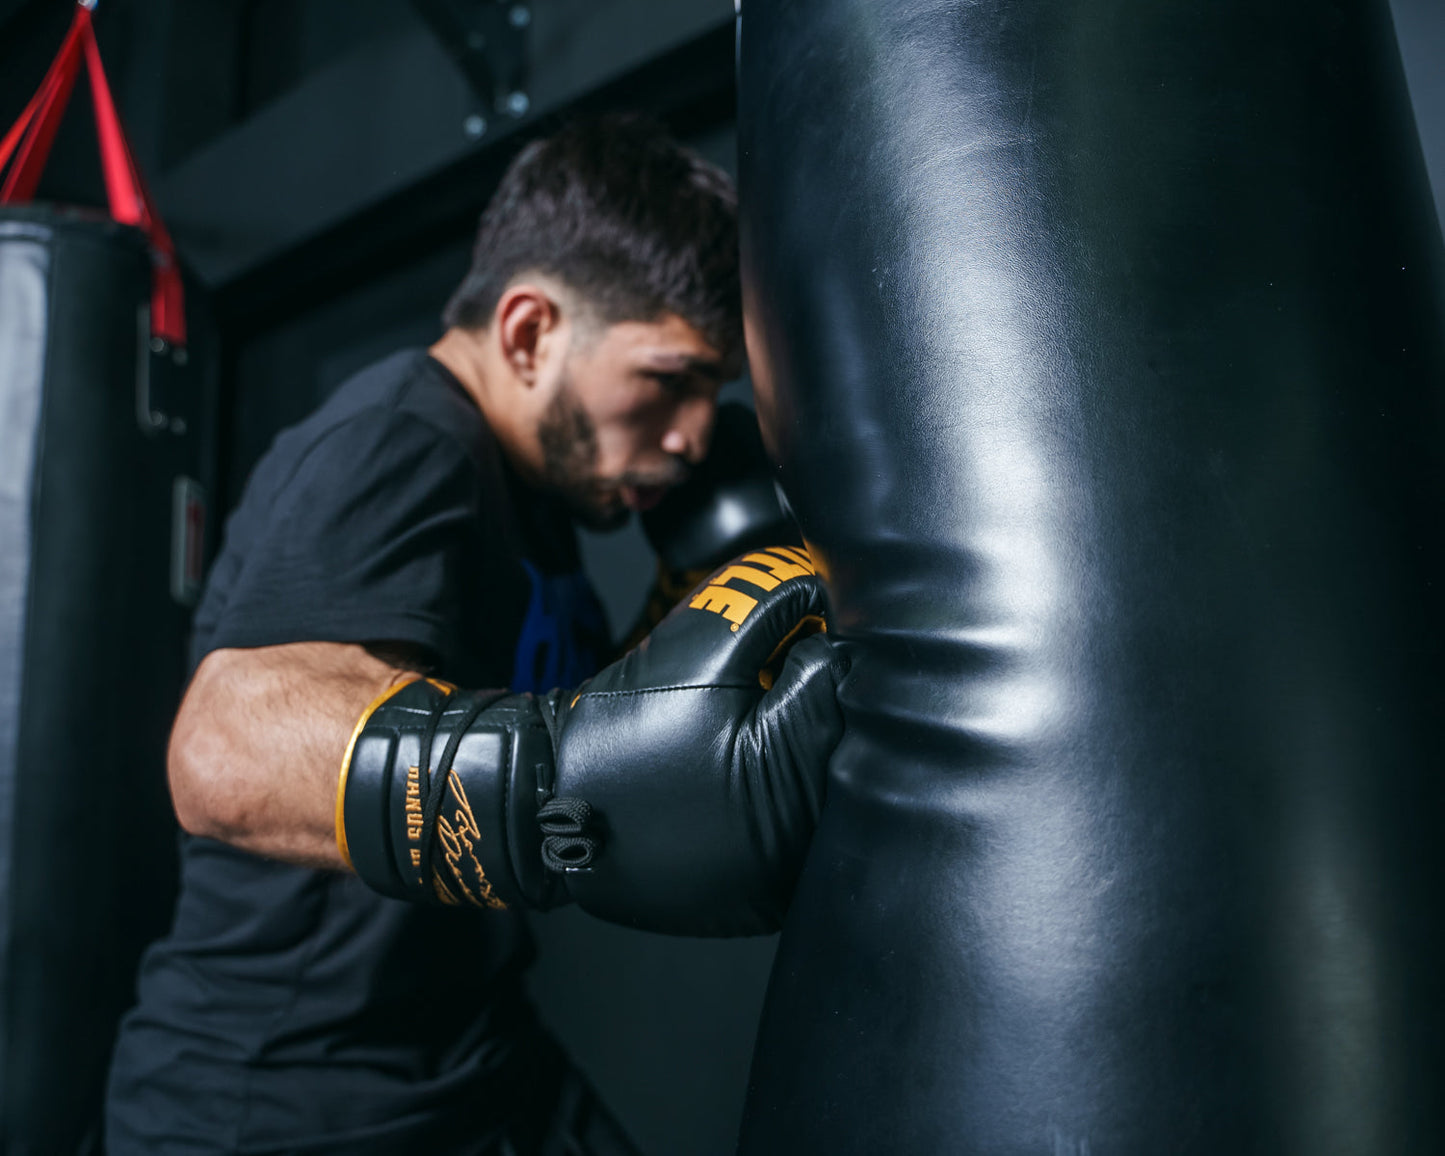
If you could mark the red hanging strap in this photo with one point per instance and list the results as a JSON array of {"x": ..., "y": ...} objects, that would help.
[
  {"x": 122, "y": 182},
  {"x": 31, "y": 136},
  {"x": 28, "y": 144},
  {"x": 131, "y": 203}
]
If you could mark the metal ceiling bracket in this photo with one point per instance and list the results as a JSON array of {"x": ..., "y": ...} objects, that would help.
[{"x": 488, "y": 40}]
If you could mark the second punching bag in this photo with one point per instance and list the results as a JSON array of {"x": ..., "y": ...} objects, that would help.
[
  {"x": 106, "y": 407},
  {"x": 1101, "y": 344},
  {"x": 102, "y": 445}
]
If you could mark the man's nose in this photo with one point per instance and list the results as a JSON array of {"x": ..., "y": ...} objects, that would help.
[{"x": 690, "y": 431}]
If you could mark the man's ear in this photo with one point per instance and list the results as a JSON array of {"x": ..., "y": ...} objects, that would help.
[{"x": 526, "y": 320}]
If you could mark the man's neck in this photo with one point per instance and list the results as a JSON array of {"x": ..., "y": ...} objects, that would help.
[
  {"x": 464, "y": 354},
  {"x": 465, "y": 359}
]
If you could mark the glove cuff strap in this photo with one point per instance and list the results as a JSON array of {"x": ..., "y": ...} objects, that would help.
[
  {"x": 341, "y": 841},
  {"x": 456, "y": 827}
]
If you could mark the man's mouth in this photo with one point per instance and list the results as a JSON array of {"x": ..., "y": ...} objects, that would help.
[{"x": 642, "y": 498}]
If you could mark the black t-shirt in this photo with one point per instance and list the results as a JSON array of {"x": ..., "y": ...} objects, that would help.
[{"x": 292, "y": 1010}]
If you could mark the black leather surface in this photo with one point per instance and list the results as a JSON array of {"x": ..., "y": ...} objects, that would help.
[
  {"x": 92, "y": 658},
  {"x": 728, "y": 505},
  {"x": 704, "y": 761},
  {"x": 487, "y": 849},
  {"x": 24, "y": 274},
  {"x": 1102, "y": 344},
  {"x": 701, "y": 755}
]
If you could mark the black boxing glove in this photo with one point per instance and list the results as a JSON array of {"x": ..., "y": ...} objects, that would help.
[
  {"x": 676, "y": 791},
  {"x": 728, "y": 505}
]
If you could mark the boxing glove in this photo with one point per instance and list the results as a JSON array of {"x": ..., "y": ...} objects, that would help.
[
  {"x": 676, "y": 791},
  {"x": 728, "y": 504}
]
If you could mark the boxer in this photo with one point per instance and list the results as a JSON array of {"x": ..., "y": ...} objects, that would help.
[{"x": 344, "y": 971}]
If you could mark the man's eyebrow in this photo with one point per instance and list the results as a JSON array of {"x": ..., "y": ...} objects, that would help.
[{"x": 709, "y": 367}]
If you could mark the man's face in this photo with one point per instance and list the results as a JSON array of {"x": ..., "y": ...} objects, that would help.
[{"x": 631, "y": 412}]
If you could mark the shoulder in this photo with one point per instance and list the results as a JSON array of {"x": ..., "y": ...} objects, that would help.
[
  {"x": 429, "y": 393},
  {"x": 413, "y": 390},
  {"x": 383, "y": 448},
  {"x": 402, "y": 413}
]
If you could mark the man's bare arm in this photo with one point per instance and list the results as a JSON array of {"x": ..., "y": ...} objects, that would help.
[{"x": 258, "y": 743}]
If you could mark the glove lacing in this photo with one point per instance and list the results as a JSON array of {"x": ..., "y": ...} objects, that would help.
[
  {"x": 567, "y": 844},
  {"x": 564, "y": 822},
  {"x": 434, "y": 786}
]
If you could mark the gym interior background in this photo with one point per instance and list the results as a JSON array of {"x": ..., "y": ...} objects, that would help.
[{"x": 321, "y": 164}]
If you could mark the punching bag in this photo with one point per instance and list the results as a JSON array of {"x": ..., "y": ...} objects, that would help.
[
  {"x": 101, "y": 523},
  {"x": 1102, "y": 346},
  {"x": 104, "y": 450}
]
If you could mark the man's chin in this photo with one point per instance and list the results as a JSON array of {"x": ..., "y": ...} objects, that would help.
[
  {"x": 604, "y": 507},
  {"x": 600, "y": 517}
]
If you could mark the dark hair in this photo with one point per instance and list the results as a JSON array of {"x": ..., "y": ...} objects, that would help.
[{"x": 623, "y": 215}]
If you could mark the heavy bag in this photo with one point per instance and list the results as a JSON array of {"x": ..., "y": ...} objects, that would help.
[
  {"x": 101, "y": 537},
  {"x": 1103, "y": 345}
]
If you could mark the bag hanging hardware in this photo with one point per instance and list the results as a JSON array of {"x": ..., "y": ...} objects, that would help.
[{"x": 160, "y": 323}]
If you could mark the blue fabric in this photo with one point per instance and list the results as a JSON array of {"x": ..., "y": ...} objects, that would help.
[{"x": 557, "y": 645}]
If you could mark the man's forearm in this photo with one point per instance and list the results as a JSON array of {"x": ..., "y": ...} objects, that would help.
[{"x": 259, "y": 741}]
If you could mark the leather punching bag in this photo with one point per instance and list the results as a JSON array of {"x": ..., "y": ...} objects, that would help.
[
  {"x": 1103, "y": 348},
  {"x": 103, "y": 441}
]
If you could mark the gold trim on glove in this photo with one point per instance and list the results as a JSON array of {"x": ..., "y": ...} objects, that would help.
[{"x": 346, "y": 764}]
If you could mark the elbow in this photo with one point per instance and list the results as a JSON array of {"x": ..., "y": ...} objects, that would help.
[
  {"x": 195, "y": 794},
  {"x": 189, "y": 797},
  {"x": 206, "y": 802}
]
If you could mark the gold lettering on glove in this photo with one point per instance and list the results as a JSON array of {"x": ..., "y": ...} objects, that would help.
[
  {"x": 783, "y": 563},
  {"x": 413, "y": 812},
  {"x": 769, "y": 569},
  {"x": 733, "y": 605}
]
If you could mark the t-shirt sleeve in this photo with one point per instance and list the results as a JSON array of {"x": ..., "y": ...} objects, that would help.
[{"x": 365, "y": 541}]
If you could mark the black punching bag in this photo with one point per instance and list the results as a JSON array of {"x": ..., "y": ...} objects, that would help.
[
  {"x": 1103, "y": 347},
  {"x": 102, "y": 444}
]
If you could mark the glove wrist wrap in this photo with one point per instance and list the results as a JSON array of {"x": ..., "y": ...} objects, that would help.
[{"x": 457, "y": 826}]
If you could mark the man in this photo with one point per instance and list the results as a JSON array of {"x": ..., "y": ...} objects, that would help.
[{"x": 420, "y": 521}]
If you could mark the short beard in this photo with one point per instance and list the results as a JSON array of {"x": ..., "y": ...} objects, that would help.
[
  {"x": 569, "y": 460},
  {"x": 568, "y": 440}
]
